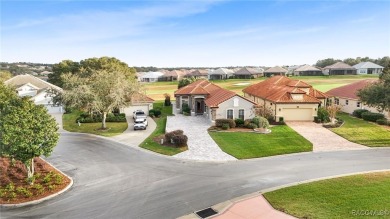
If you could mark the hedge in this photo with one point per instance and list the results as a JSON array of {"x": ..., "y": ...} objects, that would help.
[
  {"x": 372, "y": 117},
  {"x": 239, "y": 122},
  {"x": 111, "y": 117},
  {"x": 358, "y": 113},
  {"x": 180, "y": 140},
  {"x": 382, "y": 122},
  {"x": 170, "y": 135},
  {"x": 220, "y": 122}
]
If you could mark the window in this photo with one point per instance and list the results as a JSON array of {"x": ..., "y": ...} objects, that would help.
[
  {"x": 336, "y": 101},
  {"x": 235, "y": 102},
  {"x": 241, "y": 114},
  {"x": 229, "y": 114},
  {"x": 346, "y": 102},
  {"x": 358, "y": 104}
]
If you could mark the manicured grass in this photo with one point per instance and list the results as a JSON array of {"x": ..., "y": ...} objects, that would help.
[
  {"x": 161, "y": 122},
  {"x": 245, "y": 145},
  {"x": 336, "y": 198},
  {"x": 363, "y": 132},
  {"x": 69, "y": 124},
  {"x": 323, "y": 83}
]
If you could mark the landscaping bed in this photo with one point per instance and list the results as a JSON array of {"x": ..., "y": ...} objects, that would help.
[
  {"x": 245, "y": 145},
  {"x": 365, "y": 195},
  {"x": 15, "y": 189}
]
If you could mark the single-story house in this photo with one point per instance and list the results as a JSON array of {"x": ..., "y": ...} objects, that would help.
[
  {"x": 307, "y": 70},
  {"x": 339, "y": 68},
  {"x": 206, "y": 98},
  {"x": 294, "y": 100},
  {"x": 199, "y": 73},
  {"x": 368, "y": 68},
  {"x": 248, "y": 73},
  {"x": 37, "y": 89},
  {"x": 138, "y": 102},
  {"x": 277, "y": 70},
  {"x": 346, "y": 97},
  {"x": 220, "y": 74},
  {"x": 169, "y": 76},
  {"x": 151, "y": 77}
]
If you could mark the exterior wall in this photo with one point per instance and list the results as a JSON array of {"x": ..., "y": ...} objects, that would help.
[
  {"x": 247, "y": 106},
  {"x": 369, "y": 71},
  {"x": 353, "y": 105},
  {"x": 308, "y": 73}
]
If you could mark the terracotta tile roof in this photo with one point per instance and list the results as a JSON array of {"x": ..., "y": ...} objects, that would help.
[
  {"x": 276, "y": 69},
  {"x": 214, "y": 94},
  {"x": 280, "y": 89},
  {"x": 340, "y": 65},
  {"x": 350, "y": 90},
  {"x": 141, "y": 98}
]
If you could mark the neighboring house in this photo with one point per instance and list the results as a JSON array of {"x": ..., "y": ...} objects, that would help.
[
  {"x": 138, "y": 102},
  {"x": 206, "y": 98},
  {"x": 345, "y": 96},
  {"x": 199, "y": 73},
  {"x": 36, "y": 89},
  {"x": 339, "y": 68},
  {"x": 169, "y": 76},
  {"x": 151, "y": 77},
  {"x": 220, "y": 74},
  {"x": 294, "y": 100},
  {"x": 277, "y": 70},
  {"x": 139, "y": 75},
  {"x": 368, "y": 68},
  {"x": 248, "y": 73},
  {"x": 46, "y": 73},
  {"x": 307, "y": 70}
]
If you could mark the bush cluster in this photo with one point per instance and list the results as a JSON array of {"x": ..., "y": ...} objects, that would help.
[
  {"x": 322, "y": 115},
  {"x": 111, "y": 117},
  {"x": 382, "y": 122},
  {"x": 177, "y": 137},
  {"x": 186, "y": 109},
  {"x": 230, "y": 122},
  {"x": 358, "y": 113},
  {"x": 169, "y": 136},
  {"x": 372, "y": 117},
  {"x": 239, "y": 122},
  {"x": 154, "y": 112},
  {"x": 251, "y": 126}
]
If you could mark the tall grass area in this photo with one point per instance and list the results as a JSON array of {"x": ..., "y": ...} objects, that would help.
[{"x": 161, "y": 122}]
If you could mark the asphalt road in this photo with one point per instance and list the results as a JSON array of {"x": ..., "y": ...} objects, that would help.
[{"x": 116, "y": 181}]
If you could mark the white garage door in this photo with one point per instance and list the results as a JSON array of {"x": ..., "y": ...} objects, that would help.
[
  {"x": 300, "y": 114},
  {"x": 129, "y": 110}
]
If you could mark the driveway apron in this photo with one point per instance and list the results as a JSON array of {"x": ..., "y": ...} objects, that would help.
[
  {"x": 200, "y": 145},
  {"x": 322, "y": 138}
]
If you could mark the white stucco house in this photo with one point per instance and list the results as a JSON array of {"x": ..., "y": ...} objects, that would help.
[
  {"x": 210, "y": 100},
  {"x": 220, "y": 74},
  {"x": 151, "y": 77},
  {"x": 138, "y": 102},
  {"x": 368, "y": 68},
  {"x": 36, "y": 89}
]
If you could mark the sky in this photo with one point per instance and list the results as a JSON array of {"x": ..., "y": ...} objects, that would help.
[{"x": 194, "y": 33}]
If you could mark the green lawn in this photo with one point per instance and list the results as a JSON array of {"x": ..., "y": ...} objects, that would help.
[
  {"x": 335, "y": 198},
  {"x": 245, "y": 145},
  {"x": 69, "y": 124},
  {"x": 161, "y": 122},
  {"x": 363, "y": 132}
]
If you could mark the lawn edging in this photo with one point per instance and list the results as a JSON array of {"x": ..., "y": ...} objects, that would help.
[{"x": 34, "y": 202}]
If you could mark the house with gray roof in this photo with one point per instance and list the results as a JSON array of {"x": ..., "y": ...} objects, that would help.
[
  {"x": 307, "y": 70},
  {"x": 220, "y": 74},
  {"x": 339, "y": 68},
  {"x": 277, "y": 70},
  {"x": 248, "y": 73},
  {"x": 368, "y": 68}
]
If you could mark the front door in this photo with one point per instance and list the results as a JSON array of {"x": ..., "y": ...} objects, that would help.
[{"x": 199, "y": 107}]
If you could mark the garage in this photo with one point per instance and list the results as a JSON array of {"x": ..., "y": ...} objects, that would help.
[
  {"x": 299, "y": 114},
  {"x": 130, "y": 109}
]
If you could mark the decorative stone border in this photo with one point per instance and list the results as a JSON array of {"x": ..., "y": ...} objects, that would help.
[{"x": 34, "y": 202}]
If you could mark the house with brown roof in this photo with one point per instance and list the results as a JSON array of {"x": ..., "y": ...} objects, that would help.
[
  {"x": 294, "y": 100},
  {"x": 248, "y": 73},
  {"x": 307, "y": 70},
  {"x": 37, "y": 89},
  {"x": 277, "y": 70},
  {"x": 339, "y": 68},
  {"x": 138, "y": 101},
  {"x": 199, "y": 73},
  {"x": 346, "y": 97},
  {"x": 206, "y": 98}
]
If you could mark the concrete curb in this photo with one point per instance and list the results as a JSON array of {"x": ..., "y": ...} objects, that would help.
[
  {"x": 223, "y": 206},
  {"x": 34, "y": 202}
]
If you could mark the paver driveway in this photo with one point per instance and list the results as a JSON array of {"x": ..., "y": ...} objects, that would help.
[
  {"x": 322, "y": 138},
  {"x": 200, "y": 145}
]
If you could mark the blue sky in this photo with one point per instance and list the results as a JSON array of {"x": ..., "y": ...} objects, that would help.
[{"x": 194, "y": 33}]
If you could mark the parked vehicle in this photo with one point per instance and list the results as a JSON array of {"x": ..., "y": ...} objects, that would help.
[
  {"x": 140, "y": 124},
  {"x": 139, "y": 114}
]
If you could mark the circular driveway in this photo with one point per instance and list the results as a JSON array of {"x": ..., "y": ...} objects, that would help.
[{"x": 112, "y": 180}]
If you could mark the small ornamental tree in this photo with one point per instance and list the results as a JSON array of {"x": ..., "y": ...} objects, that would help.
[
  {"x": 26, "y": 131},
  {"x": 263, "y": 111},
  {"x": 333, "y": 110},
  {"x": 167, "y": 101}
]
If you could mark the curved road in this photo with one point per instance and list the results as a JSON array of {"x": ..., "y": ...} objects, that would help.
[{"x": 112, "y": 180}]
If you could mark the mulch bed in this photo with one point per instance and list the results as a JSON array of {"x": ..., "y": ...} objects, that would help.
[
  {"x": 166, "y": 143},
  {"x": 49, "y": 178}
]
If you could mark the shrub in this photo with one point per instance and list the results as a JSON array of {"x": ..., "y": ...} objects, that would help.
[
  {"x": 263, "y": 122},
  {"x": 251, "y": 126},
  {"x": 256, "y": 120},
  {"x": 151, "y": 112},
  {"x": 24, "y": 192},
  {"x": 246, "y": 122},
  {"x": 170, "y": 135},
  {"x": 57, "y": 179},
  {"x": 167, "y": 101},
  {"x": 225, "y": 126},
  {"x": 323, "y": 115},
  {"x": 382, "y": 121},
  {"x": 180, "y": 140},
  {"x": 239, "y": 122},
  {"x": 157, "y": 112},
  {"x": 358, "y": 113},
  {"x": 372, "y": 117},
  {"x": 281, "y": 119},
  {"x": 39, "y": 188},
  {"x": 220, "y": 122},
  {"x": 185, "y": 108},
  {"x": 317, "y": 120}
]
